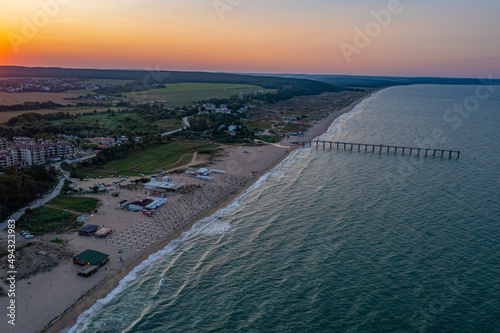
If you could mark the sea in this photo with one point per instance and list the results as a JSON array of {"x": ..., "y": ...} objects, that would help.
[{"x": 343, "y": 241}]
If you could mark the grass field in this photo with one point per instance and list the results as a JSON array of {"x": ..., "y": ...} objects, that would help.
[
  {"x": 20, "y": 98},
  {"x": 83, "y": 205},
  {"x": 168, "y": 124},
  {"x": 126, "y": 120},
  {"x": 167, "y": 156},
  {"x": 45, "y": 219},
  {"x": 5, "y": 116},
  {"x": 180, "y": 94},
  {"x": 107, "y": 82}
]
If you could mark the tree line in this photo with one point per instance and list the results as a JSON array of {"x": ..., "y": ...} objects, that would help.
[{"x": 22, "y": 186}]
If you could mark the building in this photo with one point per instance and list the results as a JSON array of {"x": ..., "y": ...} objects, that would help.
[
  {"x": 163, "y": 186},
  {"x": 87, "y": 270},
  {"x": 107, "y": 142},
  {"x": 27, "y": 154},
  {"x": 3, "y": 143},
  {"x": 6, "y": 159},
  {"x": 123, "y": 204},
  {"x": 88, "y": 230},
  {"x": 26, "y": 151},
  {"x": 23, "y": 140},
  {"x": 91, "y": 257},
  {"x": 60, "y": 149}
]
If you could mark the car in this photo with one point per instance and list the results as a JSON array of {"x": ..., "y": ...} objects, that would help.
[
  {"x": 29, "y": 236},
  {"x": 21, "y": 210},
  {"x": 30, "y": 204},
  {"x": 25, "y": 232}
]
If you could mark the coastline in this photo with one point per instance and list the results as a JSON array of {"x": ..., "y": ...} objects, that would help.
[{"x": 276, "y": 154}]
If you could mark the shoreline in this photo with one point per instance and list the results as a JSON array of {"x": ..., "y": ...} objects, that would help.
[{"x": 68, "y": 318}]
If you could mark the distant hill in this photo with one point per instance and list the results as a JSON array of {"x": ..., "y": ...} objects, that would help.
[
  {"x": 349, "y": 81},
  {"x": 149, "y": 78}
]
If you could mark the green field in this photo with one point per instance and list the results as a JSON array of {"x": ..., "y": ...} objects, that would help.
[
  {"x": 181, "y": 94},
  {"x": 82, "y": 205},
  {"x": 109, "y": 82},
  {"x": 167, "y": 156},
  {"x": 5, "y": 116},
  {"x": 125, "y": 120},
  {"x": 168, "y": 124},
  {"x": 45, "y": 219}
]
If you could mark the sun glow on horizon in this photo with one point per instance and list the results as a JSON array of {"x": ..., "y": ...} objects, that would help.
[{"x": 257, "y": 36}]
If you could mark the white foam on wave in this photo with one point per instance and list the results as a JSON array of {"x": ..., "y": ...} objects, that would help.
[
  {"x": 204, "y": 224},
  {"x": 338, "y": 123},
  {"x": 215, "y": 227},
  {"x": 82, "y": 321}
]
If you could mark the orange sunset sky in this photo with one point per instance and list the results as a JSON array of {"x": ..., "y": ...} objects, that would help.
[{"x": 421, "y": 38}]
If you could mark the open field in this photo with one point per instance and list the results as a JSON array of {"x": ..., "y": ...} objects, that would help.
[
  {"x": 20, "y": 98},
  {"x": 5, "y": 116},
  {"x": 181, "y": 94},
  {"x": 45, "y": 219},
  {"x": 168, "y": 156},
  {"x": 158, "y": 158},
  {"x": 108, "y": 82},
  {"x": 168, "y": 124},
  {"x": 82, "y": 205},
  {"x": 125, "y": 120}
]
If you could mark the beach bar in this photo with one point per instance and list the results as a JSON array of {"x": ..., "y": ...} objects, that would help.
[
  {"x": 91, "y": 257},
  {"x": 88, "y": 230}
]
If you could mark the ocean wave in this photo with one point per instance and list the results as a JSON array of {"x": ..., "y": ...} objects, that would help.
[
  {"x": 338, "y": 123},
  {"x": 83, "y": 320},
  {"x": 215, "y": 227},
  {"x": 210, "y": 224}
]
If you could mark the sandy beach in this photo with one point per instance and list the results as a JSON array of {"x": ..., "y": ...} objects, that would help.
[{"x": 52, "y": 301}]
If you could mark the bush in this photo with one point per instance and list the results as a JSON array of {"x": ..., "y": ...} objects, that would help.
[{"x": 45, "y": 219}]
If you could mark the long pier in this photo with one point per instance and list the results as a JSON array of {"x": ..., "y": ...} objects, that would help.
[{"x": 367, "y": 147}]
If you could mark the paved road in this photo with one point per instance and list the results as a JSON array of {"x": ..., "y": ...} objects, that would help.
[
  {"x": 185, "y": 124},
  {"x": 49, "y": 196}
]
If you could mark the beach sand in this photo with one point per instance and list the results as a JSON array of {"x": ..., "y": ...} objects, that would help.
[{"x": 52, "y": 301}]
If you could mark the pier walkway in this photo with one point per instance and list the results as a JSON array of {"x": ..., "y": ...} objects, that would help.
[{"x": 367, "y": 147}]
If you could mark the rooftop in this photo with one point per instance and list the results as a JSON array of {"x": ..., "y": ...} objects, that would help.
[{"x": 91, "y": 256}]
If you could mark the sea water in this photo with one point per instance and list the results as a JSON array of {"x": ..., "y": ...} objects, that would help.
[{"x": 344, "y": 241}]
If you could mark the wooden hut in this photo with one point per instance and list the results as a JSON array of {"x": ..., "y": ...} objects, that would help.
[{"x": 88, "y": 230}]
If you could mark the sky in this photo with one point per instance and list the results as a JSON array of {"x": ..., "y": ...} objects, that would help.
[{"x": 447, "y": 38}]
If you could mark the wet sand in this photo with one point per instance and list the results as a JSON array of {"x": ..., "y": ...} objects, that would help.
[{"x": 52, "y": 301}]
